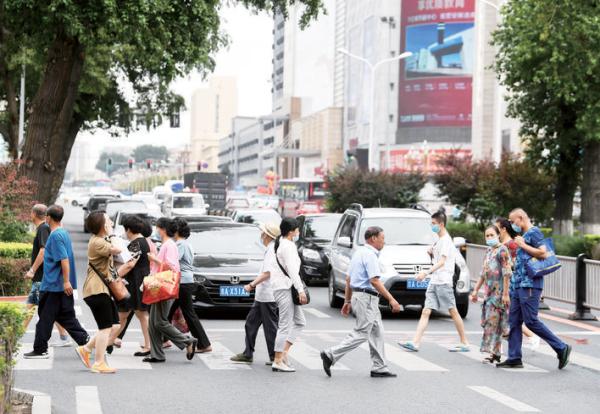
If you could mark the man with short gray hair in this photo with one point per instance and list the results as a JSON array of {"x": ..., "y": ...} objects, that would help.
[{"x": 363, "y": 289}]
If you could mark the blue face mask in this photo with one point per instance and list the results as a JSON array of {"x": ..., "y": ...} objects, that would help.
[
  {"x": 492, "y": 242},
  {"x": 516, "y": 228},
  {"x": 296, "y": 238},
  {"x": 435, "y": 228}
]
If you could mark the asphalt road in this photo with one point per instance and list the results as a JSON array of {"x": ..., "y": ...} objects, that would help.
[{"x": 432, "y": 381}]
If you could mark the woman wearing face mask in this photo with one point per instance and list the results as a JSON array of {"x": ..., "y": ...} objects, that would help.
[
  {"x": 495, "y": 277},
  {"x": 291, "y": 316}
]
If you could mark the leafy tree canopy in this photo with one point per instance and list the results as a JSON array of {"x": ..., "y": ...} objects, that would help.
[
  {"x": 150, "y": 152},
  {"x": 118, "y": 161}
]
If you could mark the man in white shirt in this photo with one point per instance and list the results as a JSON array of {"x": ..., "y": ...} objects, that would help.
[
  {"x": 264, "y": 310},
  {"x": 440, "y": 292}
]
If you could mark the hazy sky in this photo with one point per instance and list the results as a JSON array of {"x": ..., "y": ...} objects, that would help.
[{"x": 248, "y": 57}]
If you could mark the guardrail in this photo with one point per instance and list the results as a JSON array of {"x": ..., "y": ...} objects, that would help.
[{"x": 577, "y": 282}]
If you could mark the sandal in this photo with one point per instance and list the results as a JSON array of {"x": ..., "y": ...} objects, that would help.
[
  {"x": 190, "y": 349},
  {"x": 204, "y": 350},
  {"x": 491, "y": 359}
]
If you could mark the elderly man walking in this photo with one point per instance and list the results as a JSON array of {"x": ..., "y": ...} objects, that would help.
[{"x": 363, "y": 289}]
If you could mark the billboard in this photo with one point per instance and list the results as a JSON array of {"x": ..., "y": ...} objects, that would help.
[
  {"x": 423, "y": 158},
  {"x": 436, "y": 81}
]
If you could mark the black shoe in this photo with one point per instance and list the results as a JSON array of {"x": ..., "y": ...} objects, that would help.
[
  {"x": 563, "y": 358},
  {"x": 191, "y": 349},
  {"x": 327, "y": 362},
  {"x": 142, "y": 354},
  {"x": 515, "y": 363},
  {"x": 383, "y": 375},
  {"x": 36, "y": 355},
  {"x": 109, "y": 349},
  {"x": 153, "y": 360}
]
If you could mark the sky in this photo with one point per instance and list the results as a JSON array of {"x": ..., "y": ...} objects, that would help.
[{"x": 248, "y": 57}]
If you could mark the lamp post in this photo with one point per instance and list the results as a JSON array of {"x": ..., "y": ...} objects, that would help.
[{"x": 373, "y": 69}]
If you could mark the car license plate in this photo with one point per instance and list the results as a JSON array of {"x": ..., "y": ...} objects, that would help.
[
  {"x": 234, "y": 291},
  {"x": 416, "y": 285}
]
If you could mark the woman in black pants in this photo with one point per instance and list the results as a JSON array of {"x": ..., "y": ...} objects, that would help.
[{"x": 187, "y": 287}]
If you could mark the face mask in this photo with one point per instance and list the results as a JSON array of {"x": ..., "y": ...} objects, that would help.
[
  {"x": 296, "y": 238},
  {"x": 492, "y": 242},
  {"x": 516, "y": 228},
  {"x": 435, "y": 228}
]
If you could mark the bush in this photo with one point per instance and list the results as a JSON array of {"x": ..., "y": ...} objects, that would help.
[
  {"x": 470, "y": 231},
  {"x": 12, "y": 271},
  {"x": 569, "y": 245},
  {"x": 372, "y": 189},
  {"x": 15, "y": 250},
  {"x": 12, "y": 317}
]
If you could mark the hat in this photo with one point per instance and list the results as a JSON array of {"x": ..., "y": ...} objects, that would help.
[{"x": 270, "y": 229}]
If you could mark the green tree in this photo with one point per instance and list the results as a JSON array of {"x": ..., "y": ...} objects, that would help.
[
  {"x": 547, "y": 59},
  {"x": 118, "y": 161},
  {"x": 80, "y": 54},
  {"x": 150, "y": 152}
]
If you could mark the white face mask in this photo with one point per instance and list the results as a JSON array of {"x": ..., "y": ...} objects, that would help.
[{"x": 296, "y": 238}]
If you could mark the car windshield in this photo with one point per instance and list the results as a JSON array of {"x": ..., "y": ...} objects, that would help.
[
  {"x": 321, "y": 227},
  {"x": 195, "y": 201},
  {"x": 400, "y": 230},
  {"x": 267, "y": 216},
  {"x": 226, "y": 240},
  {"x": 98, "y": 203},
  {"x": 238, "y": 203},
  {"x": 122, "y": 218},
  {"x": 132, "y": 205}
]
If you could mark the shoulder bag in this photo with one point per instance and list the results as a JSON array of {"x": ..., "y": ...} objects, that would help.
[
  {"x": 295, "y": 294},
  {"x": 116, "y": 285},
  {"x": 542, "y": 267}
]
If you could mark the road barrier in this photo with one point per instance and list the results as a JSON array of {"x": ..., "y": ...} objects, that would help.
[{"x": 577, "y": 282}]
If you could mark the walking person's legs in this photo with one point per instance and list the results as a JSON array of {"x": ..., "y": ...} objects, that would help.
[
  {"x": 376, "y": 338},
  {"x": 298, "y": 324},
  {"x": 270, "y": 318},
  {"x": 124, "y": 330},
  {"x": 161, "y": 328},
  {"x": 143, "y": 317},
  {"x": 253, "y": 322},
  {"x": 515, "y": 335},
  {"x": 48, "y": 310},
  {"x": 191, "y": 318},
  {"x": 68, "y": 320},
  {"x": 284, "y": 327}
]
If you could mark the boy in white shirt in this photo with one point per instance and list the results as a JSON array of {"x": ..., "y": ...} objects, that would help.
[{"x": 440, "y": 292}]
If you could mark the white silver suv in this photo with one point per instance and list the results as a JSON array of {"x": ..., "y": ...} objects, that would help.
[{"x": 408, "y": 236}]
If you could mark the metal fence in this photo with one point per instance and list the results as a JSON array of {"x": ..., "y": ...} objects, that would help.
[
  {"x": 561, "y": 286},
  {"x": 592, "y": 284}
]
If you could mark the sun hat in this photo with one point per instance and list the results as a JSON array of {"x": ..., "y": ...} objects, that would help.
[{"x": 270, "y": 229}]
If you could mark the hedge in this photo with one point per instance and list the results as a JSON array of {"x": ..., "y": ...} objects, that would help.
[
  {"x": 12, "y": 317},
  {"x": 15, "y": 250},
  {"x": 470, "y": 231},
  {"x": 12, "y": 282}
]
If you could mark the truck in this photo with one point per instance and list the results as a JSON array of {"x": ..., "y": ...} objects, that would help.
[{"x": 212, "y": 186}]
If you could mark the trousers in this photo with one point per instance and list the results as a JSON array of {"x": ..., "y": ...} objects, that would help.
[
  {"x": 160, "y": 329},
  {"x": 368, "y": 328},
  {"x": 189, "y": 314},
  {"x": 265, "y": 314},
  {"x": 291, "y": 319}
]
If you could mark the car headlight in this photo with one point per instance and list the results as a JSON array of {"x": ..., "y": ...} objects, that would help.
[
  {"x": 199, "y": 279},
  {"x": 310, "y": 254}
]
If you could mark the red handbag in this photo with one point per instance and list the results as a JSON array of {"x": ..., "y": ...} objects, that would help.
[
  {"x": 161, "y": 286},
  {"x": 179, "y": 322}
]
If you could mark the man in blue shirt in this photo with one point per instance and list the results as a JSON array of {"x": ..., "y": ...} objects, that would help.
[
  {"x": 363, "y": 288},
  {"x": 56, "y": 291},
  {"x": 525, "y": 295}
]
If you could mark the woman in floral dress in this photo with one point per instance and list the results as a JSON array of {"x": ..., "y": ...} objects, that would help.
[{"x": 495, "y": 277}]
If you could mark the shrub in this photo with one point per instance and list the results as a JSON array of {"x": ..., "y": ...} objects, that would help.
[
  {"x": 12, "y": 317},
  {"x": 15, "y": 250},
  {"x": 12, "y": 271},
  {"x": 372, "y": 189},
  {"x": 569, "y": 245},
  {"x": 470, "y": 231},
  {"x": 16, "y": 199}
]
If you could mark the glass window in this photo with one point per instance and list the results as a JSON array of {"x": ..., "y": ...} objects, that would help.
[
  {"x": 321, "y": 228},
  {"x": 348, "y": 227},
  {"x": 132, "y": 205},
  {"x": 195, "y": 201},
  {"x": 226, "y": 240},
  {"x": 266, "y": 216},
  {"x": 400, "y": 231}
]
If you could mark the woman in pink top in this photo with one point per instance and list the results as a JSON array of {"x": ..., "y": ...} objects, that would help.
[{"x": 160, "y": 327}]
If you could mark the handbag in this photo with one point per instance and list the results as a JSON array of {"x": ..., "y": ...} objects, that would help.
[
  {"x": 541, "y": 267},
  {"x": 161, "y": 286},
  {"x": 179, "y": 322},
  {"x": 115, "y": 285},
  {"x": 295, "y": 294}
]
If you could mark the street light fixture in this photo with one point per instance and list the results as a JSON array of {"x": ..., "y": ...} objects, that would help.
[{"x": 373, "y": 69}]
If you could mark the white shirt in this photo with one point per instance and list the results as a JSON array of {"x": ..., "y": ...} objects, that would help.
[
  {"x": 264, "y": 291},
  {"x": 443, "y": 247},
  {"x": 289, "y": 259}
]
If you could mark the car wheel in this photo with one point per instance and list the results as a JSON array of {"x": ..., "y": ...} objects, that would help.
[
  {"x": 74, "y": 203},
  {"x": 334, "y": 300},
  {"x": 463, "y": 309}
]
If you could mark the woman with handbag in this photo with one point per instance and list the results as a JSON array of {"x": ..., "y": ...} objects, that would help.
[
  {"x": 289, "y": 292},
  {"x": 97, "y": 293},
  {"x": 160, "y": 327}
]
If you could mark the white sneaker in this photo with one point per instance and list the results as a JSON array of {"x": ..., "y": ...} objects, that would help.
[
  {"x": 61, "y": 343},
  {"x": 281, "y": 367},
  {"x": 533, "y": 343}
]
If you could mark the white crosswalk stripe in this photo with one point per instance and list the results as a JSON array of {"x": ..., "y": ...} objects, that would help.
[
  {"x": 219, "y": 358},
  {"x": 122, "y": 358},
  {"x": 87, "y": 400},
  {"x": 23, "y": 364},
  {"x": 504, "y": 399},
  {"x": 576, "y": 358},
  {"x": 478, "y": 356},
  {"x": 317, "y": 313},
  {"x": 408, "y": 361},
  {"x": 310, "y": 357}
]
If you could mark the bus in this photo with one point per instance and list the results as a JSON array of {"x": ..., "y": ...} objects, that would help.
[{"x": 301, "y": 196}]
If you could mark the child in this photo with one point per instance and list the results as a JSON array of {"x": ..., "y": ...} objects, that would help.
[{"x": 440, "y": 292}]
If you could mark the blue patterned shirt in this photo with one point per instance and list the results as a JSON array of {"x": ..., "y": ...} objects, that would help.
[{"x": 520, "y": 279}]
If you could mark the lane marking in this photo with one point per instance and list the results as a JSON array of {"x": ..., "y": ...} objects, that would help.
[
  {"x": 503, "y": 399},
  {"x": 317, "y": 313},
  {"x": 123, "y": 358},
  {"x": 407, "y": 360},
  {"x": 310, "y": 357},
  {"x": 576, "y": 358},
  {"x": 478, "y": 356},
  {"x": 87, "y": 400},
  {"x": 23, "y": 364},
  {"x": 218, "y": 359}
]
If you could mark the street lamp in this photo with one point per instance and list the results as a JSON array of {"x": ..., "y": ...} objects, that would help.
[{"x": 373, "y": 69}]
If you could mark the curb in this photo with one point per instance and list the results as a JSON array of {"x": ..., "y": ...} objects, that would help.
[{"x": 40, "y": 403}]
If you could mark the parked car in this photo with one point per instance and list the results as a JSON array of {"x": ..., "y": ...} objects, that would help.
[
  {"x": 126, "y": 206},
  {"x": 121, "y": 215},
  {"x": 408, "y": 237},
  {"x": 209, "y": 219},
  {"x": 314, "y": 244},
  {"x": 184, "y": 205},
  {"x": 263, "y": 215},
  {"x": 93, "y": 204},
  {"x": 227, "y": 257},
  {"x": 148, "y": 198}
]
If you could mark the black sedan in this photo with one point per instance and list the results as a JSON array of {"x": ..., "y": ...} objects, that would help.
[
  {"x": 227, "y": 257},
  {"x": 316, "y": 233}
]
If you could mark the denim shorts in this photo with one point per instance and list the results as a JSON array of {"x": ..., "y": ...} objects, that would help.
[
  {"x": 34, "y": 294},
  {"x": 440, "y": 297}
]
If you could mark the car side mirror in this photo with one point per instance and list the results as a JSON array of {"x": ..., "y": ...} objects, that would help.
[
  {"x": 459, "y": 242},
  {"x": 345, "y": 242}
]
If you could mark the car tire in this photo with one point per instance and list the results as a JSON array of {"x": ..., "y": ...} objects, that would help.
[
  {"x": 463, "y": 309},
  {"x": 74, "y": 203},
  {"x": 334, "y": 300}
]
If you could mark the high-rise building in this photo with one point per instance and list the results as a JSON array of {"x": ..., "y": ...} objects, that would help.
[{"x": 212, "y": 110}]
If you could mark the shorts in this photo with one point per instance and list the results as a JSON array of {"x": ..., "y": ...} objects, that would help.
[
  {"x": 34, "y": 294},
  {"x": 440, "y": 297},
  {"x": 104, "y": 310}
]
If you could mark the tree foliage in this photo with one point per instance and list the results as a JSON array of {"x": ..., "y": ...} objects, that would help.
[
  {"x": 118, "y": 161},
  {"x": 372, "y": 189},
  {"x": 150, "y": 152}
]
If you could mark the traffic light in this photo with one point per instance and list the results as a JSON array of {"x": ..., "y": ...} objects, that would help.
[
  {"x": 148, "y": 164},
  {"x": 130, "y": 163},
  {"x": 109, "y": 162}
]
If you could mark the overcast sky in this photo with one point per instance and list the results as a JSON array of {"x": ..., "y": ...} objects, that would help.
[{"x": 248, "y": 57}]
